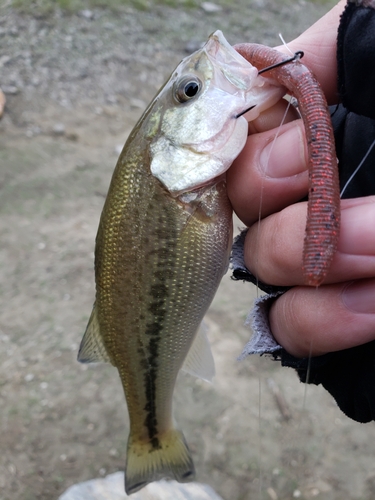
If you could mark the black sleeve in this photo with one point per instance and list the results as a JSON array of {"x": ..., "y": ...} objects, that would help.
[{"x": 349, "y": 375}]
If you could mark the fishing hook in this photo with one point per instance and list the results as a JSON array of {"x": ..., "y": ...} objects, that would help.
[
  {"x": 246, "y": 110},
  {"x": 297, "y": 56}
]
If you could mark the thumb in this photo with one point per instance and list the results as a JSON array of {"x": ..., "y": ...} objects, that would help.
[{"x": 270, "y": 173}]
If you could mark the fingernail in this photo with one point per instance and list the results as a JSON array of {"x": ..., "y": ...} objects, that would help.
[
  {"x": 284, "y": 155},
  {"x": 360, "y": 296}
]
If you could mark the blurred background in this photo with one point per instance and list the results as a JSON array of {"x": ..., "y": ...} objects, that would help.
[{"x": 77, "y": 75}]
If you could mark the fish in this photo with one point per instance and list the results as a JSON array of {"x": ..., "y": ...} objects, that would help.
[{"x": 163, "y": 246}]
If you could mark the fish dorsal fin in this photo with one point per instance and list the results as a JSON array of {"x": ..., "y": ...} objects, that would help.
[
  {"x": 92, "y": 348},
  {"x": 199, "y": 361}
]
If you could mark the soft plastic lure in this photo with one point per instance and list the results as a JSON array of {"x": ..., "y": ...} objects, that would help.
[{"x": 323, "y": 213}]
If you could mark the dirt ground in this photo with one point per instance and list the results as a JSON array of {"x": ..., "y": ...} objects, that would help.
[{"x": 75, "y": 86}]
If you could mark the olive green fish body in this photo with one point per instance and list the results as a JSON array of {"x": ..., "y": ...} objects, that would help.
[
  {"x": 158, "y": 265},
  {"x": 163, "y": 246}
]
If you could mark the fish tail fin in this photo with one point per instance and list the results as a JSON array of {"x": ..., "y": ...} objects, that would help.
[{"x": 165, "y": 455}]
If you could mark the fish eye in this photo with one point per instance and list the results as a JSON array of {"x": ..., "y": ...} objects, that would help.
[{"x": 187, "y": 88}]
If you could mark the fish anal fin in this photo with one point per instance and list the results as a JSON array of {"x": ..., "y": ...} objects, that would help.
[
  {"x": 199, "y": 360},
  {"x": 166, "y": 455},
  {"x": 92, "y": 348}
]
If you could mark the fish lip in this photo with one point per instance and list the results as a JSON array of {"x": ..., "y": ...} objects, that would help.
[{"x": 220, "y": 139}]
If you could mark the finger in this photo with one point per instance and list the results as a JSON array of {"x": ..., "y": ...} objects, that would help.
[
  {"x": 270, "y": 173},
  {"x": 319, "y": 44},
  {"x": 273, "y": 248},
  {"x": 282, "y": 112},
  {"x": 312, "y": 322}
]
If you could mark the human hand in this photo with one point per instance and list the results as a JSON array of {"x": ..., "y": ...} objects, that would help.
[{"x": 269, "y": 177}]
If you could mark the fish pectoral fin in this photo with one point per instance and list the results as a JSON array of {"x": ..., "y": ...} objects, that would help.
[
  {"x": 92, "y": 348},
  {"x": 165, "y": 455},
  {"x": 199, "y": 360}
]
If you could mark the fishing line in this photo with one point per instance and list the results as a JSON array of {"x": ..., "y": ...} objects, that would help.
[
  {"x": 284, "y": 43},
  {"x": 308, "y": 371},
  {"x": 262, "y": 186},
  {"x": 295, "y": 56},
  {"x": 357, "y": 169},
  {"x": 260, "y": 448}
]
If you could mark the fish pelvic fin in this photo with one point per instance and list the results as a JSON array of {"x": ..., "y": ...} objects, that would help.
[
  {"x": 92, "y": 348},
  {"x": 165, "y": 455}
]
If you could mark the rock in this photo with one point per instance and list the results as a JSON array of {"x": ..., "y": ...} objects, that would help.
[
  {"x": 11, "y": 89},
  {"x": 112, "y": 488},
  {"x": 193, "y": 45},
  {"x": 210, "y": 7},
  {"x": 4, "y": 60},
  {"x": 86, "y": 13},
  {"x": 58, "y": 129},
  {"x": 138, "y": 103}
]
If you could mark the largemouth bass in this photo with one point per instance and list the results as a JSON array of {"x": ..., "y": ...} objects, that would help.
[{"x": 163, "y": 246}]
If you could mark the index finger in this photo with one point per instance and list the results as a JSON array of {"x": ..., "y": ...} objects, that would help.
[{"x": 274, "y": 247}]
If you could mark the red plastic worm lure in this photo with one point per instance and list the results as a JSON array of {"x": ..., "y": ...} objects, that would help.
[{"x": 323, "y": 210}]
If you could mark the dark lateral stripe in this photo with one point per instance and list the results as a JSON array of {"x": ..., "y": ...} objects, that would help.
[{"x": 159, "y": 292}]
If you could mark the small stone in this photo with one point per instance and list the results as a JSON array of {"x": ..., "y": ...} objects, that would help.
[
  {"x": 272, "y": 494},
  {"x": 112, "y": 99},
  {"x": 192, "y": 46},
  {"x": 4, "y": 60},
  {"x": 210, "y": 7},
  {"x": 86, "y": 14},
  {"x": 12, "y": 469},
  {"x": 29, "y": 377},
  {"x": 11, "y": 90},
  {"x": 58, "y": 129},
  {"x": 137, "y": 103}
]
